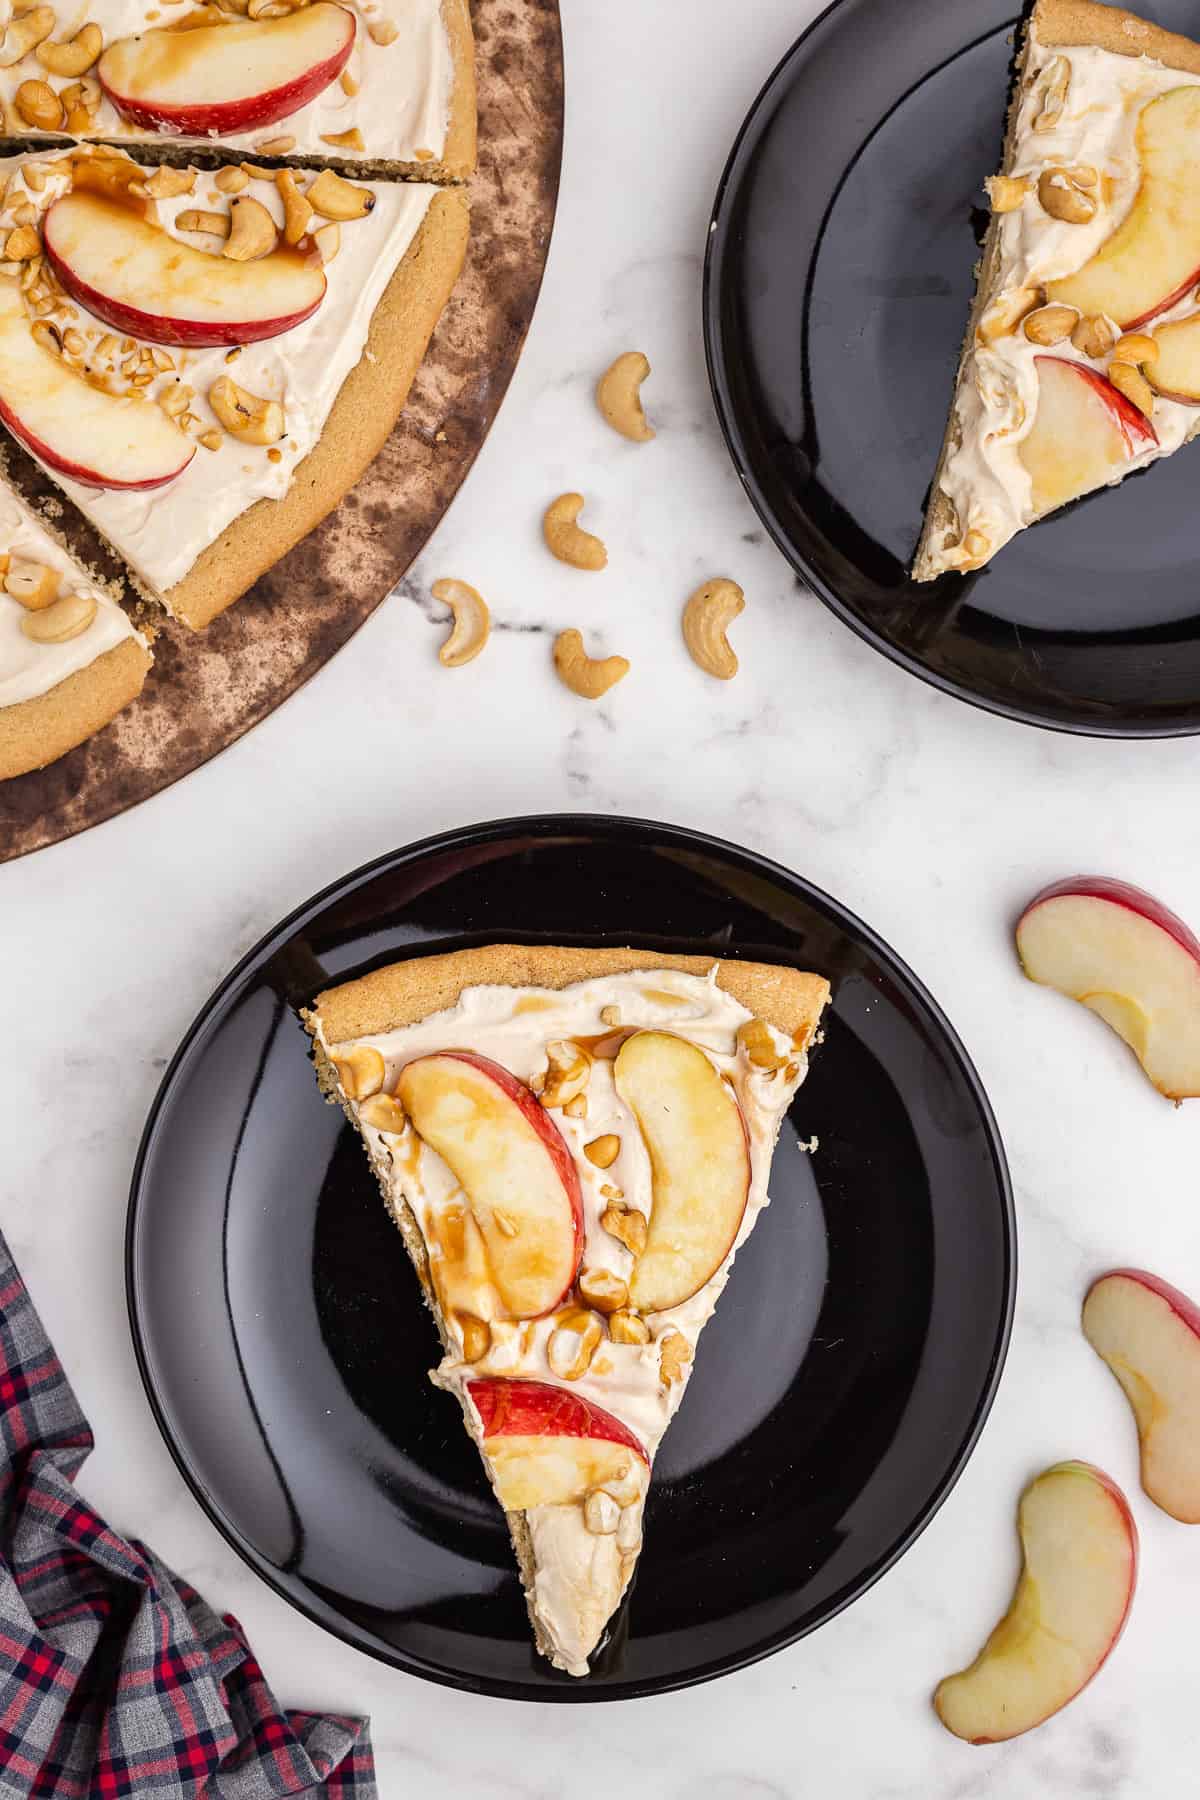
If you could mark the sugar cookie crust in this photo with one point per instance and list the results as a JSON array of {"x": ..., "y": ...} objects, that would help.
[{"x": 36, "y": 732}]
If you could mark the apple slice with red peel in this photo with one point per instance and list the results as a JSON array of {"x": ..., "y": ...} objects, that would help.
[
  {"x": 548, "y": 1447},
  {"x": 141, "y": 280},
  {"x": 699, "y": 1153},
  {"x": 513, "y": 1166},
  {"x": 101, "y": 440},
  {"x": 1149, "y": 1335},
  {"x": 1127, "y": 958},
  {"x": 1083, "y": 433},
  {"x": 1153, "y": 257},
  {"x": 1175, "y": 371},
  {"x": 217, "y": 79},
  {"x": 1080, "y": 1550}
]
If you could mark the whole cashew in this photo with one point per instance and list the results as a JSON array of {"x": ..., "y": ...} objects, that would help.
[
  {"x": 713, "y": 607},
  {"x": 583, "y": 675},
  {"x": 619, "y": 400},
  {"x": 253, "y": 232},
  {"x": 472, "y": 622},
  {"x": 24, "y": 35},
  {"x": 569, "y": 541},
  {"x": 75, "y": 57}
]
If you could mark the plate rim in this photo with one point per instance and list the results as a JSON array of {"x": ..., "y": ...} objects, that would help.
[
  {"x": 549, "y": 825},
  {"x": 717, "y": 358}
]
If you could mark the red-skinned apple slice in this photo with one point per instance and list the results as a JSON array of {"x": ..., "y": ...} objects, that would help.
[
  {"x": 548, "y": 1447},
  {"x": 218, "y": 79},
  {"x": 1080, "y": 1550},
  {"x": 699, "y": 1154},
  {"x": 1083, "y": 433},
  {"x": 141, "y": 280},
  {"x": 1126, "y": 957},
  {"x": 1175, "y": 371},
  {"x": 102, "y": 440},
  {"x": 1153, "y": 257},
  {"x": 511, "y": 1162},
  {"x": 1149, "y": 1335}
]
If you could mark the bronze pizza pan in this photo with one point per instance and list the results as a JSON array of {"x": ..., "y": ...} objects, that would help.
[{"x": 207, "y": 688}]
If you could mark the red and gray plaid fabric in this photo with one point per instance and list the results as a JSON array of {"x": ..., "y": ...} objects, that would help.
[{"x": 115, "y": 1677}]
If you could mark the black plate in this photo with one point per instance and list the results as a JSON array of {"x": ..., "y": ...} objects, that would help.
[
  {"x": 839, "y": 276},
  {"x": 838, "y": 1390}
]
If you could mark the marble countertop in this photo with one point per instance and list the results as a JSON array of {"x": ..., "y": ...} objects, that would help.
[{"x": 931, "y": 820}]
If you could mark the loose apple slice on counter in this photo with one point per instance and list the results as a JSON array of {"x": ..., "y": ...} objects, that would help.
[
  {"x": 217, "y": 79},
  {"x": 1149, "y": 1335},
  {"x": 1080, "y": 1550},
  {"x": 1175, "y": 371},
  {"x": 548, "y": 1447},
  {"x": 699, "y": 1165},
  {"x": 517, "y": 1173},
  {"x": 102, "y": 440},
  {"x": 1124, "y": 956},
  {"x": 139, "y": 279},
  {"x": 1083, "y": 434},
  {"x": 1153, "y": 257}
]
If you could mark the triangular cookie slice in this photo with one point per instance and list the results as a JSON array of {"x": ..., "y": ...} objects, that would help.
[
  {"x": 205, "y": 361},
  {"x": 385, "y": 88},
  {"x": 574, "y": 1144},
  {"x": 1082, "y": 358},
  {"x": 70, "y": 658}
]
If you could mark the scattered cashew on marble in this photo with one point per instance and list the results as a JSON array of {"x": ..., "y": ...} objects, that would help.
[{"x": 472, "y": 622}]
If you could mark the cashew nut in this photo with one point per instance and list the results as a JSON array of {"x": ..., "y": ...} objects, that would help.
[
  {"x": 569, "y": 541},
  {"x": 244, "y": 415},
  {"x": 166, "y": 182},
  {"x": 252, "y": 233},
  {"x": 39, "y": 106},
  {"x": 713, "y": 607},
  {"x": 583, "y": 675},
  {"x": 32, "y": 583},
  {"x": 191, "y": 219},
  {"x": 76, "y": 56},
  {"x": 62, "y": 620},
  {"x": 618, "y": 397},
  {"x": 472, "y": 622},
  {"x": 24, "y": 35},
  {"x": 296, "y": 210},
  {"x": 1136, "y": 347},
  {"x": 335, "y": 198},
  {"x": 1133, "y": 384}
]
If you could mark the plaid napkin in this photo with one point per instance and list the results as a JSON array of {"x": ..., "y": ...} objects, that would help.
[{"x": 115, "y": 1677}]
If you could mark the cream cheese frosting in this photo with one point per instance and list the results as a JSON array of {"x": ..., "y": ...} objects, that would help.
[
  {"x": 161, "y": 532},
  {"x": 28, "y": 669},
  {"x": 401, "y": 102},
  {"x": 579, "y": 1573},
  {"x": 996, "y": 400}
]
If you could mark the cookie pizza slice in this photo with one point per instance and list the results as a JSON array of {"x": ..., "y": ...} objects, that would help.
[
  {"x": 70, "y": 658},
  {"x": 574, "y": 1143},
  {"x": 205, "y": 361},
  {"x": 386, "y": 87},
  {"x": 1082, "y": 357}
]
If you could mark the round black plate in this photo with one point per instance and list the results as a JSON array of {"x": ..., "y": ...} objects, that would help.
[
  {"x": 838, "y": 1389},
  {"x": 838, "y": 281}
]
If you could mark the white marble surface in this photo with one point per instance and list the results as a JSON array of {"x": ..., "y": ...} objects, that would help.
[{"x": 930, "y": 819}]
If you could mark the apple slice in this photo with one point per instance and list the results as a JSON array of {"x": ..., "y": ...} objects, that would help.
[
  {"x": 1153, "y": 257},
  {"x": 102, "y": 440},
  {"x": 699, "y": 1165},
  {"x": 1083, "y": 433},
  {"x": 548, "y": 1447},
  {"x": 141, "y": 280},
  {"x": 1080, "y": 1549},
  {"x": 517, "y": 1173},
  {"x": 216, "y": 79},
  {"x": 1126, "y": 957},
  {"x": 1149, "y": 1335},
  {"x": 1175, "y": 371}
]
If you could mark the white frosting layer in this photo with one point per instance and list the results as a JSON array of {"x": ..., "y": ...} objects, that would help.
[
  {"x": 29, "y": 669},
  {"x": 996, "y": 400},
  {"x": 513, "y": 1027},
  {"x": 161, "y": 532},
  {"x": 404, "y": 88}
]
